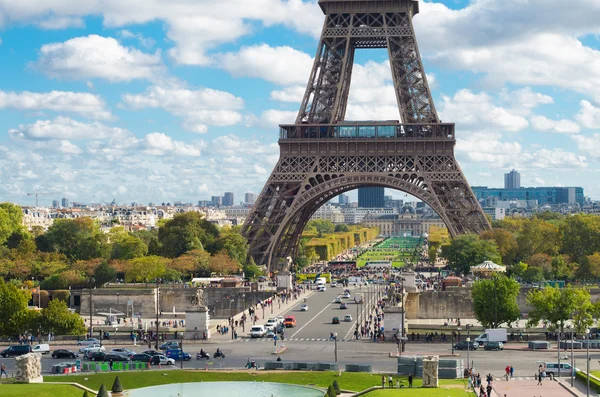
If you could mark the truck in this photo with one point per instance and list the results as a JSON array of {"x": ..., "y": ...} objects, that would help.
[{"x": 492, "y": 335}]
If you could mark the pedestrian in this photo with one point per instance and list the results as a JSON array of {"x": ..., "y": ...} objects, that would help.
[
  {"x": 3, "y": 370},
  {"x": 507, "y": 370},
  {"x": 110, "y": 364},
  {"x": 512, "y": 370},
  {"x": 489, "y": 390},
  {"x": 383, "y": 381},
  {"x": 390, "y": 381},
  {"x": 539, "y": 375},
  {"x": 410, "y": 378}
]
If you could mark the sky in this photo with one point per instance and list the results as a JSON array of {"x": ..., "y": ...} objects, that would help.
[{"x": 156, "y": 101}]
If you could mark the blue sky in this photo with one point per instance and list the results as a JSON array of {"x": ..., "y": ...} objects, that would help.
[{"x": 180, "y": 100}]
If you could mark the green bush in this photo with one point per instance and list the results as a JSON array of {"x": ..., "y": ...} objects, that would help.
[
  {"x": 594, "y": 383},
  {"x": 336, "y": 387},
  {"x": 85, "y": 394},
  {"x": 102, "y": 392},
  {"x": 330, "y": 391},
  {"x": 116, "y": 387}
]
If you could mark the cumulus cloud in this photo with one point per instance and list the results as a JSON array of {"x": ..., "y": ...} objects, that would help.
[
  {"x": 541, "y": 123},
  {"x": 279, "y": 65},
  {"x": 88, "y": 105},
  {"x": 61, "y": 22},
  {"x": 199, "y": 108},
  {"x": 589, "y": 115},
  {"x": 293, "y": 94},
  {"x": 589, "y": 145},
  {"x": 95, "y": 56},
  {"x": 159, "y": 144},
  {"x": 66, "y": 128}
]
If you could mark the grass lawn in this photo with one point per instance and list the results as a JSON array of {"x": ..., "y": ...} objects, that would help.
[
  {"x": 441, "y": 392},
  {"x": 40, "y": 390},
  {"x": 135, "y": 380}
]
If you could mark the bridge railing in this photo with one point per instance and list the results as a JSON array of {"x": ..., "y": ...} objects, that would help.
[{"x": 368, "y": 130}]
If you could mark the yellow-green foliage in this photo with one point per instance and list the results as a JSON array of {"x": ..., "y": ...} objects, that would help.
[{"x": 331, "y": 245}]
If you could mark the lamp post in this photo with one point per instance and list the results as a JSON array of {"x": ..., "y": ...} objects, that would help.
[
  {"x": 452, "y": 339},
  {"x": 469, "y": 355},
  {"x": 558, "y": 350},
  {"x": 335, "y": 346},
  {"x": 403, "y": 312},
  {"x": 91, "y": 280},
  {"x": 587, "y": 359},
  {"x": 157, "y": 311}
]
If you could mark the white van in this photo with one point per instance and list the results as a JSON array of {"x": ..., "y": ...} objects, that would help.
[
  {"x": 43, "y": 348},
  {"x": 321, "y": 288},
  {"x": 258, "y": 331},
  {"x": 551, "y": 368}
]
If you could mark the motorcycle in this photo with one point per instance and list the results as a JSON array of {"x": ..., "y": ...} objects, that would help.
[
  {"x": 201, "y": 355},
  {"x": 252, "y": 365},
  {"x": 219, "y": 354}
]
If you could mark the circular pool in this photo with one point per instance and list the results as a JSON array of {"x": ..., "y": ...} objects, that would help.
[{"x": 229, "y": 389}]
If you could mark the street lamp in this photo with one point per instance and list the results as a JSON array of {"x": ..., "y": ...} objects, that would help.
[
  {"x": 403, "y": 312},
  {"x": 468, "y": 355},
  {"x": 572, "y": 358},
  {"x": 587, "y": 337},
  {"x": 91, "y": 280},
  {"x": 157, "y": 311},
  {"x": 335, "y": 346}
]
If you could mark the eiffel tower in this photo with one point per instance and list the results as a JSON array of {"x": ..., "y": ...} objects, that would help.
[{"x": 322, "y": 155}]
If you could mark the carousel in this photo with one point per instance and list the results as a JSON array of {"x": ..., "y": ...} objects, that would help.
[{"x": 486, "y": 269}]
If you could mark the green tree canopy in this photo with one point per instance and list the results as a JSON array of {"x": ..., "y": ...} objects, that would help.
[
  {"x": 234, "y": 243},
  {"x": 341, "y": 228},
  {"x": 580, "y": 236},
  {"x": 321, "y": 226},
  {"x": 537, "y": 236},
  {"x": 533, "y": 274},
  {"x": 590, "y": 267},
  {"x": 506, "y": 242},
  {"x": 468, "y": 250},
  {"x": 58, "y": 319},
  {"x": 78, "y": 238},
  {"x": 11, "y": 220},
  {"x": 557, "y": 305},
  {"x": 126, "y": 245},
  {"x": 495, "y": 301},
  {"x": 186, "y": 232},
  {"x": 13, "y": 308},
  {"x": 146, "y": 269}
]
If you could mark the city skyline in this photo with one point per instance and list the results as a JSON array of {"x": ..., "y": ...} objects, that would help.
[{"x": 97, "y": 104}]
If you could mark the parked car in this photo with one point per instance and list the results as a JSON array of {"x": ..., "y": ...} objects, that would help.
[
  {"x": 493, "y": 346},
  {"x": 15, "y": 351},
  {"x": 92, "y": 348},
  {"x": 270, "y": 333},
  {"x": 347, "y": 318},
  {"x": 95, "y": 356},
  {"x": 338, "y": 300},
  {"x": 123, "y": 352},
  {"x": 304, "y": 307},
  {"x": 152, "y": 352},
  {"x": 161, "y": 359},
  {"x": 42, "y": 348},
  {"x": 177, "y": 354},
  {"x": 343, "y": 306},
  {"x": 145, "y": 358},
  {"x": 169, "y": 345},
  {"x": 335, "y": 320},
  {"x": 114, "y": 357},
  {"x": 88, "y": 341},
  {"x": 464, "y": 345},
  {"x": 63, "y": 353}
]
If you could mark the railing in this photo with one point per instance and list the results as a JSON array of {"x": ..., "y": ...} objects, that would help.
[{"x": 368, "y": 130}]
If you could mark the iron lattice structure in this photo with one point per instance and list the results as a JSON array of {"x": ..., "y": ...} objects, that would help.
[{"x": 322, "y": 156}]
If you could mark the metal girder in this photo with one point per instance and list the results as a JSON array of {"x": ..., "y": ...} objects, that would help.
[{"x": 321, "y": 157}]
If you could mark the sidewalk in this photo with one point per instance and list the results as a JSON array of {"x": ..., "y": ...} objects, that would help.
[
  {"x": 276, "y": 311},
  {"x": 528, "y": 388}
]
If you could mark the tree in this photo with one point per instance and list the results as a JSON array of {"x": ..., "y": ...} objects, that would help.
[
  {"x": 104, "y": 273},
  {"x": 580, "y": 236},
  {"x": 150, "y": 238},
  {"x": 13, "y": 308},
  {"x": 495, "y": 301},
  {"x": 146, "y": 268},
  {"x": 222, "y": 264},
  {"x": 518, "y": 269},
  {"x": 506, "y": 242},
  {"x": 186, "y": 232},
  {"x": 251, "y": 270},
  {"x": 102, "y": 392},
  {"x": 321, "y": 226},
  {"x": 58, "y": 319},
  {"x": 538, "y": 237},
  {"x": 533, "y": 275},
  {"x": 196, "y": 262},
  {"x": 11, "y": 220},
  {"x": 235, "y": 244},
  {"x": 562, "y": 268},
  {"x": 330, "y": 391},
  {"x": 117, "y": 387},
  {"x": 126, "y": 246},
  {"x": 336, "y": 387},
  {"x": 78, "y": 238},
  {"x": 468, "y": 250},
  {"x": 341, "y": 228},
  {"x": 557, "y": 305}
]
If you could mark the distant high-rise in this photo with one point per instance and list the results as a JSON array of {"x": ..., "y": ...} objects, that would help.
[
  {"x": 228, "y": 199},
  {"x": 216, "y": 201},
  {"x": 65, "y": 202},
  {"x": 55, "y": 204},
  {"x": 343, "y": 199},
  {"x": 512, "y": 180},
  {"x": 250, "y": 198},
  {"x": 370, "y": 197}
]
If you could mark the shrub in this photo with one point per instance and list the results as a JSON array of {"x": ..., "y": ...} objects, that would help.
[{"x": 116, "y": 387}]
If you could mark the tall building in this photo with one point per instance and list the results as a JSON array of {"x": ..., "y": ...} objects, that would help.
[
  {"x": 65, "y": 202},
  {"x": 216, "y": 201},
  {"x": 370, "y": 197},
  {"x": 343, "y": 199},
  {"x": 228, "y": 199},
  {"x": 250, "y": 198},
  {"x": 512, "y": 180},
  {"x": 55, "y": 204},
  {"x": 543, "y": 195}
]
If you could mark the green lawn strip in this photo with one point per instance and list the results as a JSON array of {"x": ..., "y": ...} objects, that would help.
[
  {"x": 39, "y": 390},
  {"x": 135, "y": 380},
  {"x": 441, "y": 392}
]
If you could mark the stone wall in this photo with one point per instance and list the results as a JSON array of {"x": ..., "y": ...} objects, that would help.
[
  {"x": 104, "y": 299},
  {"x": 452, "y": 303},
  {"x": 226, "y": 302}
]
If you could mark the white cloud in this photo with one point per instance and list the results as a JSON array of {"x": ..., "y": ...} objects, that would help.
[
  {"x": 589, "y": 115},
  {"x": 272, "y": 118},
  {"x": 590, "y": 145},
  {"x": 95, "y": 56},
  {"x": 86, "y": 104},
  {"x": 259, "y": 170},
  {"x": 555, "y": 158},
  {"x": 69, "y": 148},
  {"x": 279, "y": 65},
  {"x": 58, "y": 23},
  {"x": 146, "y": 42},
  {"x": 199, "y": 108},
  {"x": 158, "y": 144},
  {"x": 477, "y": 111},
  {"x": 541, "y": 123},
  {"x": 65, "y": 128},
  {"x": 524, "y": 100},
  {"x": 292, "y": 94}
]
